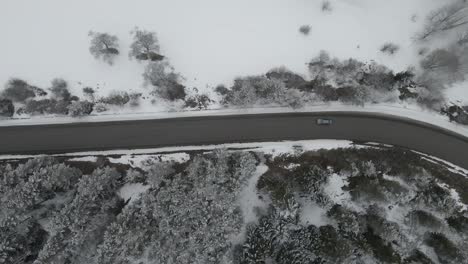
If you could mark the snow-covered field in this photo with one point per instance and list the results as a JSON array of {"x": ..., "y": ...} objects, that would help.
[{"x": 209, "y": 41}]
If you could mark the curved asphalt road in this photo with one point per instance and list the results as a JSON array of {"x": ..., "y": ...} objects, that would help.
[{"x": 62, "y": 138}]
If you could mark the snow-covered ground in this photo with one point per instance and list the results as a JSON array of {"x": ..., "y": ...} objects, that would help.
[
  {"x": 208, "y": 41},
  {"x": 178, "y": 153}
]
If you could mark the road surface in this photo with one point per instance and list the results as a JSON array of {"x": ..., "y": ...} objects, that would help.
[{"x": 399, "y": 131}]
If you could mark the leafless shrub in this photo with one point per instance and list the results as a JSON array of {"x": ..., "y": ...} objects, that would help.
[
  {"x": 198, "y": 101},
  {"x": 59, "y": 90},
  {"x": 326, "y": 6},
  {"x": 305, "y": 30},
  {"x": 445, "y": 18},
  {"x": 389, "y": 48},
  {"x": 441, "y": 59},
  {"x": 100, "y": 107}
]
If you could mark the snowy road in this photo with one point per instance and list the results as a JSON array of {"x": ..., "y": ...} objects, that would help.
[{"x": 382, "y": 128}]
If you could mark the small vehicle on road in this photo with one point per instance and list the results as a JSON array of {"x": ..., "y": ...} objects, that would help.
[{"x": 324, "y": 121}]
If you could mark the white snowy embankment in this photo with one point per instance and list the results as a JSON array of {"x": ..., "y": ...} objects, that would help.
[
  {"x": 166, "y": 153},
  {"x": 206, "y": 53}
]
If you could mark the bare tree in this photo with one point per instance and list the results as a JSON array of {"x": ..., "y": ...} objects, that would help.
[
  {"x": 104, "y": 46},
  {"x": 145, "y": 45},
  {"x": 445, "y": 18}
]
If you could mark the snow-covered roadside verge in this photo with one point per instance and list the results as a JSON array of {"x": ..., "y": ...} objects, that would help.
[
  {"x": 135, "y": 157},
  {"x": 177, "y": 153},
  {"x": 400, "y": 110}
]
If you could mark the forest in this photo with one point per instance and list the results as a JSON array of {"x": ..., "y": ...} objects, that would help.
[{"x": 360, "y": 204}]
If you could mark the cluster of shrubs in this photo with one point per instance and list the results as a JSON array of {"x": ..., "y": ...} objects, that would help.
[
  {"x": 349, "y": 81},
  {"x": 37, "y": 101},
  {"x": 165, "y": 81},
  {"x": 22, "y": 98}
]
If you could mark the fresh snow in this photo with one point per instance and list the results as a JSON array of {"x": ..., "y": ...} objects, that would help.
[
  {"x": 450, "y": 166},
  {"x": 312, "y": 214},
  {"x": 457, "y": 93},
  {"x": 85, "y": 158},
  {"x": 334, "y": 189},
  {"x": 132, "y": 191},
  {"x": 208, "y": 41},
  {"x": 137, "y": 160},
  {"x": 266, "y": 147},
  {"x": 249, "y": 198}
]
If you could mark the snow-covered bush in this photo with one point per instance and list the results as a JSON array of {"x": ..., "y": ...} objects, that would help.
[
  {"x": 80, "y": 108},
  {"x": 7, "y": 109},
  {"x": 251, "y": 90},
  {"x": 116, "y": 98},
  {"x": 18, "y": 90},
  {"x": 165, "y": 82},
  {"x": 79, "y": 225},
  {"x": 59, "y": 90},
  {"x": 46, "y": 106},
  {"x": 187, "y": 217},
  {"x": 198, "y": 101},
  {"x": 100, "y": 107},
  {"x": 36, "y": 180},
  {"x": 305, "y": 29},
  {"x": 104, "y": 46}
]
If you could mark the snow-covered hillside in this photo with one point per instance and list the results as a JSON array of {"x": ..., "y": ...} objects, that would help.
[{"x": 209, "y": 41}]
